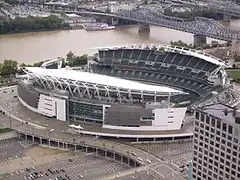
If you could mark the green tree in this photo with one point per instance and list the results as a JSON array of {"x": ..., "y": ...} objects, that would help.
[
  {"x": 70, "y": 56},
  {"x": 38, "y": 64},
  {"x": 31, "y": 24},
  {"x": 22, "y": 65},
  {"x": 9, "y": 67},
  {"x": 80, "y": 60},
  {"x": 1, "y": 68}
]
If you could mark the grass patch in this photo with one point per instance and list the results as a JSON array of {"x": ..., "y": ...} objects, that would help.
[
  {"x": 5, "y": 130},
  {"x": 234, "y": 73}
]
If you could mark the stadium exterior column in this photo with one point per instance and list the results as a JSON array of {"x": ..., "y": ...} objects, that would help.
[
  {"x": 40, "y": 140},
  {"x": 33, "y": 138},
  {"x": 96, "y": 151},
  {"x": 199, "y": 40},
  {"x": 226, "y": 18}
]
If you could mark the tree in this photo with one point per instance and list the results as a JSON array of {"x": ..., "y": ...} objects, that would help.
[
  {"x": 80, "y": 60},
  {"x": 9, "y": 67},
  {"x": 1, "y": 68},
  {"x": 38, "y": 64},
  {"x": 22, "y": 65},
  {"x": 70, "y": 56}
]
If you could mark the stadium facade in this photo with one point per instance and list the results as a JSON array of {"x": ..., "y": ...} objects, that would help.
[{"x": 127, "y": 88}]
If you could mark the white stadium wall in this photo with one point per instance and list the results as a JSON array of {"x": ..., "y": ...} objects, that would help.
[
  {"x": 61, "y": 109},
  {"x": 51, "y": 106},
  {"x": 169, "y": 118}
]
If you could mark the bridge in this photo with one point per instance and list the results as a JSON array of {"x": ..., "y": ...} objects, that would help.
[{"x": 200, "y": 27}]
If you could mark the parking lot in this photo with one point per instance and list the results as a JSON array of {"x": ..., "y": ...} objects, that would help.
[
  {"x": 74, "y": 168},
  {"x": 10, "y": 148}
]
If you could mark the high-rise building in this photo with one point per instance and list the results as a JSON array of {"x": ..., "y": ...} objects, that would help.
[{"x": 216, "y": 147}]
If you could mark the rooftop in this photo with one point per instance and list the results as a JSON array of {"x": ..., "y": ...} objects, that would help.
[
  {"x": 218, "y": 110},
  {"x": 98, "y": 79}
]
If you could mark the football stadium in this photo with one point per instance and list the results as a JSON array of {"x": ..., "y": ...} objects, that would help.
[{"x": 130, "y": 87}]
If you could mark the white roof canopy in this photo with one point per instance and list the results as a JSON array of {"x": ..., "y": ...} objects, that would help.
[{"x": 100, "y": 80}]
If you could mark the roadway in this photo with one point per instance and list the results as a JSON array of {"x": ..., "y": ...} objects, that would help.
[
  {"x": 60, "y": 128},
  {"x": 56, "y": 130}
]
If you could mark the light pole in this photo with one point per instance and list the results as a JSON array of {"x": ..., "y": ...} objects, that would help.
[
  {"x": 33, "y": 130},
  {"x": 49, "y": 132}
]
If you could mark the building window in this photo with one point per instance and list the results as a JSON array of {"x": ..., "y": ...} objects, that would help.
[
  {"x": 234, "y": 153},
  {"x": 197, "y": 115},
  {"x": 213, "y": 122},
  {"x": 222, "y": 154},
  {"x": 224, "y": 127},
  {"x": 219, "y": 124},
  {"x": 233, "y": 173},
  {"x": 208, "y": 120},
  {"x": 222, "y": 160},
  {"x": 229, "y": 144},
  {"x": 230, "y": 129},
  {"x": 202, "y": 117}
]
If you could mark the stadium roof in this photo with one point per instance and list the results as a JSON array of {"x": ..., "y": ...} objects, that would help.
[
  {"x": 192, "y": 52},
  {"x": 98, "y": 79}
]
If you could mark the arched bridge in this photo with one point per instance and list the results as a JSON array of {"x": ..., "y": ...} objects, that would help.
[{"x": 200, "y": 26}]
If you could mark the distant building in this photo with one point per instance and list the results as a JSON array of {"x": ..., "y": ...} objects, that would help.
[
  {"x": 115, "y": 8},
  {"x": 216, "y": 147}
]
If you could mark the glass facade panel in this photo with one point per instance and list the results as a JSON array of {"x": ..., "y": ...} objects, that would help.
[{"x": 86, "y": 111}]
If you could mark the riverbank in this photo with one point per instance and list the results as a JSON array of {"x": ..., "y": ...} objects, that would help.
[{"x": 31, "y": 24}]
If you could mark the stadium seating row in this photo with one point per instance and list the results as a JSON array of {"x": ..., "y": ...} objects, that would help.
[{"x": 154, "y": 59}]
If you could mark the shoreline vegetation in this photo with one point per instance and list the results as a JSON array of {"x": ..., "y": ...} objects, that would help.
[
  {"x": 32, "y": 24},
  {"x": 10, "y": 67}
]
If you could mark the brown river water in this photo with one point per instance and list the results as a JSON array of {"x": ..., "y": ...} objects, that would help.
[{"x": 37, "y": 46}]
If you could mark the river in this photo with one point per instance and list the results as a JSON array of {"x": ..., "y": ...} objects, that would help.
[{"x": 38, "y": 46}]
